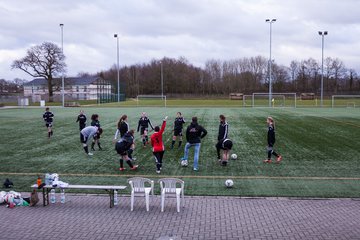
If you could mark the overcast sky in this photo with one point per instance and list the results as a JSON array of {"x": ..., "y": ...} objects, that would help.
[{"x": 198, "y": 30}]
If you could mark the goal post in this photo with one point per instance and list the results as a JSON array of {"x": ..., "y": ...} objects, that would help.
[
  {"x": 151, "y": 100},
  {"x": 278, "y": 100},
  {"x": 247, "y": 100},
  {"x": 345, "y": 101}
]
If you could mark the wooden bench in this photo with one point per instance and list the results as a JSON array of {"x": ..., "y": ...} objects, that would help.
[{"x": 110, "y": 189}]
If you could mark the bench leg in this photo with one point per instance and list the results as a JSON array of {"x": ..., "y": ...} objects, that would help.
[
  {"x": 111, "y": 192},
  {"x": 46, "y": 196}
]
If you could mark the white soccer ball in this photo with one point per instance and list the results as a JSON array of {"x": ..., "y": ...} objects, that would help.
[
  {"x": 229, "y": 183},
  {"x": 184, "y": 163},
  {"x": 233, "y": 156}
]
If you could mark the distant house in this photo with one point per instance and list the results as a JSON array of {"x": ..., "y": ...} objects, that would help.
[{"x": 76, "y": 88}]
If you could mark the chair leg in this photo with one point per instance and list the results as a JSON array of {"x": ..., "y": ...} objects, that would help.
[
  {"x": 147, "y": 201},
  {"x": 162, "y": 201},
  {"x": 178, "y": 202},
  {"x": 183, "y": 199},
  {"x": 132, "y": 201}
]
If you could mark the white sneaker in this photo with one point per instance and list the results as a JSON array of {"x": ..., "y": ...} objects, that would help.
[
  {"x": 158, "y": 171},
  {"x": 133, "y": 159},
  {"x": 90, "y": 154}
]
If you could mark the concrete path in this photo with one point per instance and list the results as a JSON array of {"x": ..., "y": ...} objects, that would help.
[{"x": 89, "y": 217}]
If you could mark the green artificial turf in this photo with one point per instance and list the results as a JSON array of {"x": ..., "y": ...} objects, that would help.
[{"x": 319, "y": 147}]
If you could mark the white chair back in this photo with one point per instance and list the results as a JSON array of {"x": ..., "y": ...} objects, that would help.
[
  {"x": 138, "y": 184},
  {"x": 169, "y": 185}
]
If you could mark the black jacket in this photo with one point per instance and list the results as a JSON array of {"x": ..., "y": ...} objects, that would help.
[
  {"x": 144, "y": 122},
  {"x": 178, "y": 123},
  {"x": 223, "y": 131},
  {"x": 123, "y": 128},
  {"x": 271, "y": 135},
  {"x": 125, "y": 142},
  {"x": 194, "y": 133},
  {"x": 48, "y": 117},
  {"x": 81, "y": 119}
]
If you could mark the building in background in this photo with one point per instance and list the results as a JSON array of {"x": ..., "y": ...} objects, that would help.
[{"x": 76, "y": 88}]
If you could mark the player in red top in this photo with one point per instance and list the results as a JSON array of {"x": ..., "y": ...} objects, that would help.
[{"x": 158, "y": 145}]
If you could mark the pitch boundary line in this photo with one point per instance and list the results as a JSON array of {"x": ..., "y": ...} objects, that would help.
[{"x": 187, "y": 176}]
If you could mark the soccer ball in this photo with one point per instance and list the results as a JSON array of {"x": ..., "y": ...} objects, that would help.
[
  {"x": 184, "y": 163},
  {"x": 233, "y": 156},
  {"x": 229, "y": 183}
]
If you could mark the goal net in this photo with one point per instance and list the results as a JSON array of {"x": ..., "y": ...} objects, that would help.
[
  {"x": 151, "y": 100},
  {"x": 277, "y": 100},
  {"x": 247, "y": 100},
  {"x": 349, "y": 101}
]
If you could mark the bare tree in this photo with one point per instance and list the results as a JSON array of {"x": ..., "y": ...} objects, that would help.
[{"x": 45, "y": 60}]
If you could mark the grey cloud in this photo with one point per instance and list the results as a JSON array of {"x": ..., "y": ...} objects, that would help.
[{"x": 198, "y": 30}]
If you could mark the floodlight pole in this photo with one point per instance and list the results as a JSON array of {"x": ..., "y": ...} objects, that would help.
[
  {"x": 162, "y": 80},
  {"x": 270, "y": 60},
  {"x": 118, "y": 68},
  {"x": 322, "y": 34},
  {"x": 62, "y": 77}
]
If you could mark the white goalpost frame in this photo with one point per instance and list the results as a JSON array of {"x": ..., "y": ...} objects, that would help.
[
  {"x": 273, "y": 94},
  {"x": 342, "y": 96},
  {"x": 244, "y": 99},
  {"x": 162, "y": 97}
]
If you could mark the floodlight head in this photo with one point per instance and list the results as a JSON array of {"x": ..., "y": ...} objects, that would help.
[
  {"x": 273, "y": 20},
  {"x": 61, "y": 24},
  {"x": 320, "y": 33},
  {"x": 325, "y": 33},
  {"x": 115, "y": 35},
  {"x": 267, "y": 20}
]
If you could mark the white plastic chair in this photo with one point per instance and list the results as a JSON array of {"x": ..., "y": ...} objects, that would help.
[
  {"x": 168, "y": 185},
  {"x": 142, "y": 186}
]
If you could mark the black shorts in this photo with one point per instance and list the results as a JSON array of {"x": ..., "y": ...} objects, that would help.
[
  {"x": 227, "y": 145},
  {"x": 142, "y": 130},
  {"x": 121, "y": 149},
  {"x": 178, "y": 132},
  {"x": 48, "y": 124},
  {"x": 83, "y": 139}
]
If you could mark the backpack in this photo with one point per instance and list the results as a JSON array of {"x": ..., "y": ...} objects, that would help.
[
  {"x": 34, "y": 198},
  {"x": 8, "y": 183}
]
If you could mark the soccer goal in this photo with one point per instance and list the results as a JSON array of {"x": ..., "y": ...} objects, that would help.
[
  {"x": 278, "y": 100},
  {"x": 349, "y": 101},
  {"x": 247, "y": 101},
  {"x": 151, "y": 100}
]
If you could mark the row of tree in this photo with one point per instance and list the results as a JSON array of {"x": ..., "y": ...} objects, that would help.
[
  {"x": 245, "y": 75},
  {"x": 217, "y": 77}
]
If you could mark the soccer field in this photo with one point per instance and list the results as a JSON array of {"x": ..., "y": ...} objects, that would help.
[{"x": 320, "y": 149}]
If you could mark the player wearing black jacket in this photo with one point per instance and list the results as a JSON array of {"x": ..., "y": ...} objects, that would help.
[
  {"x": 178, "y": 127},
  {"x": 122, "y": 129},
  {"x": 122, "y": 147},
  {"x": 122, "y": 126},
  {"x": 194, "y": 134},
  {"x": 82, "y": 120},
  {"x": 48, "y": 118},
  {"x": 143, "y": 126},
  {"x": 96, "y": 139},
  {"x": 222, "y": 134},
  {"x": 271, "y": 141}
]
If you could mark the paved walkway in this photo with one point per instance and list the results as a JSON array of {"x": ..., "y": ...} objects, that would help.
[{"x": 89, "y": 217}]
